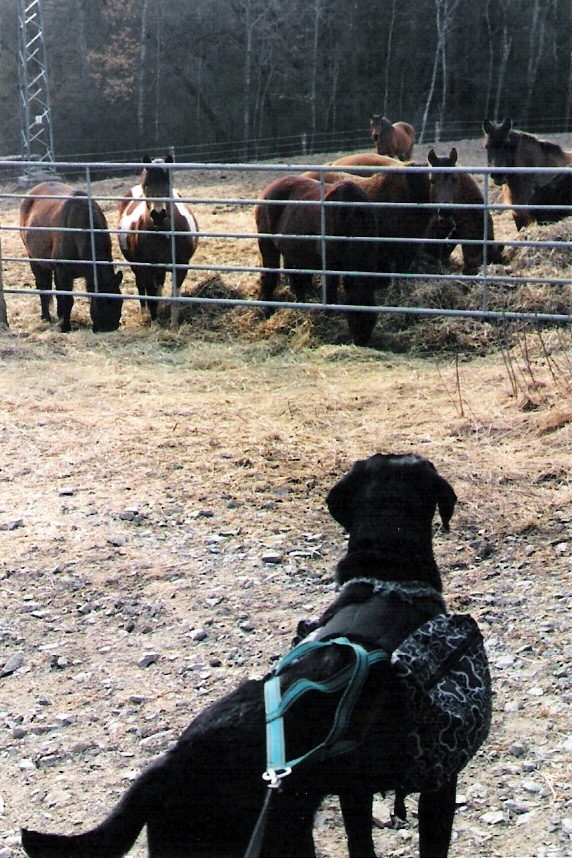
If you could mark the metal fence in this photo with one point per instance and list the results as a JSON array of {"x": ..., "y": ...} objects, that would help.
[{"x": 197, "y": 175}]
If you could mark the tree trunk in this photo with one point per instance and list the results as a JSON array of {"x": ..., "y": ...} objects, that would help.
[
  {"x": 388, "y": 57},
  {"x": 141, "y": 73},
  {"x": 506, "y": 48},
  {"x": 314, "y": 68}
]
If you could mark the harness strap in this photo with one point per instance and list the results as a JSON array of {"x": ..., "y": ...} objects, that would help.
[{"x": 350, "y": 678}]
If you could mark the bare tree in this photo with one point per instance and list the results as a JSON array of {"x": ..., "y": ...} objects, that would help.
[
  {"x": 536, "y": 34},
  {"x": 444, "y": 12}
]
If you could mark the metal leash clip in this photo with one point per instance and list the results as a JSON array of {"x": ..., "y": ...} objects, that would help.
[{"x": 274, "y": 776}]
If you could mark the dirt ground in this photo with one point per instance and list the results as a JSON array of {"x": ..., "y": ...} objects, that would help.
[{"x": 163, "y": 528}]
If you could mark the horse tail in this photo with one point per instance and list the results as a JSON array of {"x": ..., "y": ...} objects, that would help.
[{"x": 112, "y": 839}]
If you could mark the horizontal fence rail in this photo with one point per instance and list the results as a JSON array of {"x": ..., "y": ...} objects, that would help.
[{"x": 197, "y": 175}]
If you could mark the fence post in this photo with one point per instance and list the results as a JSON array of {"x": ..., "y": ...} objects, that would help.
[{"x": 3, "y": 311}]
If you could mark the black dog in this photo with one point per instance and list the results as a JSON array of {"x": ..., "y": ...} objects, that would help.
[{"x": 204, "y": 796}]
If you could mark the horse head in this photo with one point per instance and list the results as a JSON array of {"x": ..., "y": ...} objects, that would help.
[
  {"x": 381, "y": 132},
  {"x": 501, "y": 145},
  {"x": 157, "y": 189},
  {"x": 443, "y": 186}
]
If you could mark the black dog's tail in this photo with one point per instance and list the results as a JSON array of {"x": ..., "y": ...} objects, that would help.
[{"x": 112, "y": 839}]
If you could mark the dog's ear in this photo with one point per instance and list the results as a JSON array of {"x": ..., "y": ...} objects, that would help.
[
  {"x": 446, "y": 500},
  {"x": 339, "y": 498}
]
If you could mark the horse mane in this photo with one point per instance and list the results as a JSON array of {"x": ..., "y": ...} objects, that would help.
[{"x": 81, "y": 198}]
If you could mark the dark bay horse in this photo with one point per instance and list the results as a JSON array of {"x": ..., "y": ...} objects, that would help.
[
  {"x": 288, "y": 219},
  {"x": 66, "y": 236},
  {"x": 156, "y": 229},
  {"x": 466, "y": 221},
  {"x": 401, "y": 196},
  {"x": 507, "y": 147},
  {"x": 557, "y": 192},
  {"x": 394, "y": 139}
]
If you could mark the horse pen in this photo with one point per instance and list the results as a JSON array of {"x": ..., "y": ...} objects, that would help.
[{"x": 162, "y": 513}]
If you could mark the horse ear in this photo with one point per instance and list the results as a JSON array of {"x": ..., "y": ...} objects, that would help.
[
  {"x": 453, "y": 156},
  {"x": 169, "y": 159},
  {"x": 507, "y": 124},
  {"x": 487, "y": 126},
  {"x": 432, "y": 157},
  {"x": 146, "y": 159}
]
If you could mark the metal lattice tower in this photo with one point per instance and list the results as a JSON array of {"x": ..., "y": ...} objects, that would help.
[{"x": 37, "y": 141}]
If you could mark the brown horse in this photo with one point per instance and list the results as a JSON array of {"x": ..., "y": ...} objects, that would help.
[
  {"x": 460, "y": 215},
  {"x": 66, "y": 236},
  {"x": 401, "y": 196},
  {"x": 294, "y": 231},
  {"x": 357, "y": 164},
  {"x": 507, "y": 147},
  {"x": 157, "y": 231},
  {"x": 395, "y": 140}
]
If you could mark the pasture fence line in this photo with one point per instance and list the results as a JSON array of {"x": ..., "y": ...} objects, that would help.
[
  {"x": 488, "y": 276},
  {"x": 297, "y": 145}
]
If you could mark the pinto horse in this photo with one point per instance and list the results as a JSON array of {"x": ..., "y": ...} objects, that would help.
[
  {"x": 507, "y": 147},
  {"x": 157, "y": 231},
  {"x": 66, "y": 236},
  {"x": 288, "y": 220},
  {"x": 462, "y": 216},
  {"x": 395, "y": 140}
]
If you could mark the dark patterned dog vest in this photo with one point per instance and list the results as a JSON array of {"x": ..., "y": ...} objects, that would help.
[{"x": 444, "y": 671}]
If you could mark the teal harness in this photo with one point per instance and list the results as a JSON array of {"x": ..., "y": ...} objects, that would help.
[{"x": 350, "y": 678}]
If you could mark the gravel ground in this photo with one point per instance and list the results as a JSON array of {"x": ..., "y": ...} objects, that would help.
[{"x": 163, "y": 528}]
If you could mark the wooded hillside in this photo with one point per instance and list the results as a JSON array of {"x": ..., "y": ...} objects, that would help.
[{"x": 130, "y": 76}]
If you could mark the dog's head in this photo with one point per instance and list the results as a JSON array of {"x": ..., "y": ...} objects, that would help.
[{"x": 387, "y": 504}]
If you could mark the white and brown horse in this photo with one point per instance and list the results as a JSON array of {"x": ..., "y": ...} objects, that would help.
[
  {"x": 157, "y": 232},
  {"x": 507, "y": 147}
]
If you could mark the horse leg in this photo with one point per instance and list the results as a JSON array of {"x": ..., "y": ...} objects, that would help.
[
  {"x": 144, "y": 283},
  {"x": 332, "y": 281},
  {"x": 43, "y": 277},
  {"x": 158, "y": 275},
  {"x": 360, "y": 291},
  {"x": 436, "y": 813},
  {"x": 178, "y": 279},
  {"x": 300, "y": 283},
  {"x": 356, "y": 806},
  {"x": 64, "y": 303},
  {"x": 269, "y": 258}
]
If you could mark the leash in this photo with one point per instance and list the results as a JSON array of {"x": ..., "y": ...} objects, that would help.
[{"x": 350, "y": 678}]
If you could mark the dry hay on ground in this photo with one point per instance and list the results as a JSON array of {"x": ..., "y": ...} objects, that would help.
[{"x": 162, "y": 504}]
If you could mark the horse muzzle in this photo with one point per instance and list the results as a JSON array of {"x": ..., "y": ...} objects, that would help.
[
  {"x": 160, "y": 219},
  {"x": 445, "y": 222}
]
